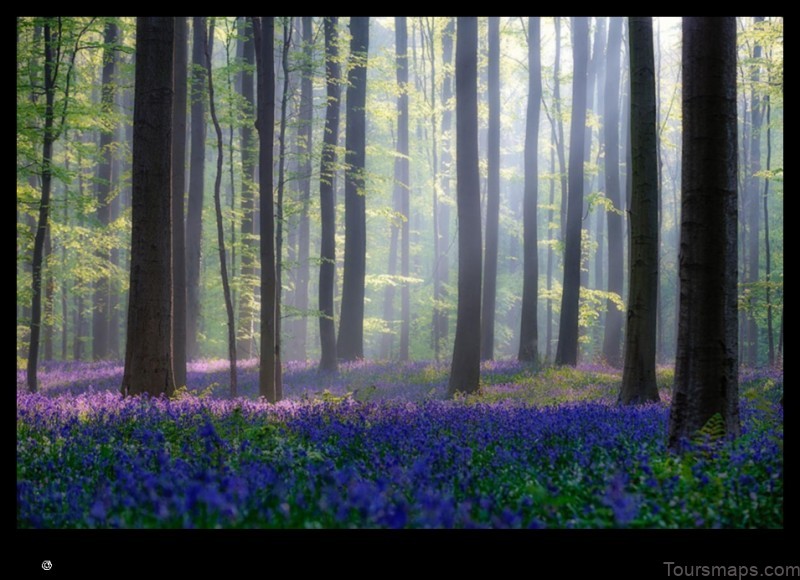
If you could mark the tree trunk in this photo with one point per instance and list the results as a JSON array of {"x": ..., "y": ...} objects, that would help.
[
  {"x": 752, "y": 204},
  {"x": 402, "y": 179},
  {"x": 327, "y": 200},
  {"x": 465, "y": 368},
  {"x": 562, "y": 163},
  {"x": 178, "y": 192},
  {"x": 492, "y": 194},
  {"x": 567, "y": 352},
  {"x": 441, "y": 317},
  {"x": 148, "y": 353},
  {"x": 44, "y": 208},
  {"x": 305, "y": 148},
  {"x": 350, "y": 343},
  {"x": 223, "y": 264},
  {"x": 194, "y": 215},
  {"x": 767, "y": 255},
  {"x": 247, "y": 302},
  {"x": 265, "y": 124},
  {"x": 100, "y": 317},
  {"x": 612, "y": 338},
  {"x": 529, "y": 332},
  {"x": 706, "y": 379},
  {"x": 279, "y": 221},
  {"x": 639, "y": 374}
]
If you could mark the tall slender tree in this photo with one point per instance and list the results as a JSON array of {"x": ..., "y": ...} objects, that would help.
[
  {"x": 327, "y": 202},
  {"x": 178, "y": 192},
  {"x": 529, "y": 332},
  {"x": 55, "y": 48},
  {"x": 148, "y": 353},
  {"x": 612, "y": 338},
  {"x": 706, "y": 367},
  {"x": 567, "y": 352},
  {"x": 492, "y": 194},
  {"x": 751, "y": 200},
  {"x": 279, "y": 220},
  {"x": 465, "y": 368},
  {"x": 350, "y": 343},
  {"x": 247, "y": 303},
  {"x": 100, "y": 311},
  {"x": 264, "y": 29},
  {"x": 639, "y": 374},
  {"x": 304, "y": 134},
  {"x": 223, "y": 259},
  {"x": 194, "y": 212},
  {"x": 402, "y": 179},
  {"x": 442, "y": 272}
]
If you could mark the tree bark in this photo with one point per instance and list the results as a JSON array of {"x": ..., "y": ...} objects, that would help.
[
  {"x": 529, "y": 332},
  {"x": 768, "y": 251},
  {"x": 440, "y": 313},
  {"x": 752, "y": 203},
  {"x": 567, "y": 352},
  {"x": 350, "y": 343},
  {"x": 305, "y": 148},
  {"x": 327, "y": 201},
  {"x": 100, "y": 312},
  {"x": 492, "y": 194},
  {"x": 639, "y": 374},
  {"x": 465, "y": 368},
  {"x": 178, "y": 192},
  {"x": 612, "y": 338},
  {"x": 706, "y": 379},
  {"x": 223, "y": 262},
  {"x": 265, "y": 124},
  {"x": 194, "y": 215},
  {"x": 148, "y": 353},
  {"x": 245, "y": 346},
  {"x": 402, "y": 180}
]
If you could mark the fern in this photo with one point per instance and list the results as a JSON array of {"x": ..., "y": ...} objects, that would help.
[{"x": 712, "y": 432}]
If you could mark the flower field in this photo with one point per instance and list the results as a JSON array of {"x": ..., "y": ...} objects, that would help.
[{"x": 377, "y": 446}]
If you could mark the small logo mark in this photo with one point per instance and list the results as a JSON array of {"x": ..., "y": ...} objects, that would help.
[{"x": 46, "y": 565}]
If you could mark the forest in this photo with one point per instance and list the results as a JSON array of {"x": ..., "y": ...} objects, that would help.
[{"x": 399, "y": 272}]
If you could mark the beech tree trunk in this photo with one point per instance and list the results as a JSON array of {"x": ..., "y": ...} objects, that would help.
[
  {"x": 148, "y": 353},
  {"x": 706, "y": 367},
  {"x": 465, "y": 368},
  {"x": 529, "y": 332},
  {"x": 639, "y": 374},
  {"x": 350, "y": 344}
]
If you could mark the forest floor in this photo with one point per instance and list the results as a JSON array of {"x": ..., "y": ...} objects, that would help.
[{"x": 376, "y": 445}]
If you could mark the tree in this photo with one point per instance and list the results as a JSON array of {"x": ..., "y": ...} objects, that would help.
[
  {"x": 751, "y": 201},
  {"x": 442, "y": 271},
  {"x": 223, "y": 262},
  {"x": 529, "y": 332},
  {"x": 402, "y": 178},
  {"x": 148, "y": 353},
  {"x": 567, "y": 352},
  {"x": 264, "y": 29},
  {"x": 350, "y": 343},
  {"x": 304, "y": 134},
  {"x": 100, "y": 312},
  {"x": 194, "y": 214},
  {"x": 178, "y": 191},
  {"x": 247, "y": 303},
  {"x": 706, "y": 366},
  {"x": 639, "y": 374},
  {"x": 612, "y": 338},
  {"x": 492, "y": 194},
  {"x": 54, "y": 49},
  {"x": 287, "y": 41},
  {"x": 465, "y": 367},
  {"x": 327, "y": 202}
]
